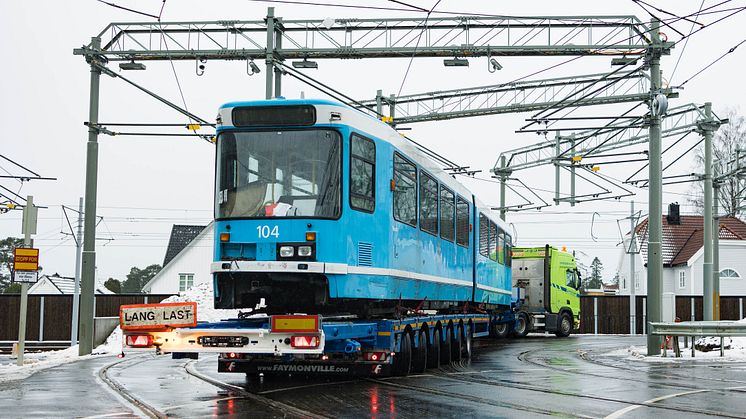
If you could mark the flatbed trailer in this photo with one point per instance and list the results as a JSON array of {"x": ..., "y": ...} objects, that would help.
[{"x": 313, "y": 344}]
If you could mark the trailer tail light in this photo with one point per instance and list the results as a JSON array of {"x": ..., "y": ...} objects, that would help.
[
  {"x": 304, "y": 342},
  {"x": 374, "y": 356},
  {"x": 139, "y": 341}
]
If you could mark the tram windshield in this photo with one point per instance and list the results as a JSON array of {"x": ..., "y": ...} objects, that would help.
[{"x": 279, "y": 174}]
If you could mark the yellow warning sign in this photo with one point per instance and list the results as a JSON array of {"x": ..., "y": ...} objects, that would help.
[{"x": 26, "y": 259}]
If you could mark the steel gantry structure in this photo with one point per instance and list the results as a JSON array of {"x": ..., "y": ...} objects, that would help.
[
  {"x": 512, "y": 97},
  {"x": 275, "y": 39}
]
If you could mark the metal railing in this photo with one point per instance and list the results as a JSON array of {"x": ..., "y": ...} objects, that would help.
[{"x": 719, "y": 329}]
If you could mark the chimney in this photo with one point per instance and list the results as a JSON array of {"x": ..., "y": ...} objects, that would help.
[{"x": 673, "y": 217}]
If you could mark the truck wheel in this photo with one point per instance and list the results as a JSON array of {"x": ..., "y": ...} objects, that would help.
[
  {"x": 419, "y": 356},
  {"x": 520, "y": 329},
  {"x": 565, "y": 326},
  {"x": 501, "y": 330},
  {"x": 457, "y": 347},
  {"x": 466, "y": 348},
  {"x": 445, "y": 346},
  {"x": 433, "y": 352},
  {"x": 403, "y": 358}
]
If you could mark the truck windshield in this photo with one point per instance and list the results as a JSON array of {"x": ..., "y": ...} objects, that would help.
[{"x": 278, "y": 174}]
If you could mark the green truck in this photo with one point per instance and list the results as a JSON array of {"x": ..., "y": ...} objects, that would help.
[{"x": 546, "y": 294}]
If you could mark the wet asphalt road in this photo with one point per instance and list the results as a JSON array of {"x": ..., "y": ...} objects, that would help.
[{"x": 534, "y": 377}]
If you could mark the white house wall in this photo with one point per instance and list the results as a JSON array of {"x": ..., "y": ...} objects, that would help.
[
  {"x": 732, "y": 255},
  {"x": 43, "y": 287},
  {"x": 194, "y": 259},
  {"x": 624, "y": 274}
]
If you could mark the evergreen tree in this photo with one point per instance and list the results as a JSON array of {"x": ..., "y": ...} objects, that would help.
[
  {"x": 113, "y": 285},
  {"x": 7, "y": 246},
  {"x": 593, "y": 281},
  {"x": 137, "y": 278}
]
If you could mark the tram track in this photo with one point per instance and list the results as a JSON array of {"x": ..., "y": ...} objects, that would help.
[
  {"x": 475, "y": 399},
  {"x": 190, "y": 369},
  {"x": 152, "y": 412},
  {"x": 584, "y": 355},
  {"x": 468, "y": 378},
  {"x": 120, "y": 390}
]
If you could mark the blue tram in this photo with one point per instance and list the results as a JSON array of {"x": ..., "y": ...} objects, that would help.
[{"x": 320, "y": 208}]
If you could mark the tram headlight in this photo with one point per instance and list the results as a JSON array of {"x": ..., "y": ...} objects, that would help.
[
  {"x": 304, "y": 251},
  {"x": 287, "y": 251}
]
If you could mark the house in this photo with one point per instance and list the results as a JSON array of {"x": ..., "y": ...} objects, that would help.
[
  {"x": 683, "y": 256},
  {"x": 56, "y": 284},
  {"x": 187, "y": 260},
  {"x": 606, "y": 289}
]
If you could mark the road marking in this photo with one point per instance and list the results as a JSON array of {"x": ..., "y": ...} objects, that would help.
[{"x": 649, "y": 403}]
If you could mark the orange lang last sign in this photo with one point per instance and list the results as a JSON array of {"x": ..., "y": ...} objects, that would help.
[{"x": 26, "y": 259}]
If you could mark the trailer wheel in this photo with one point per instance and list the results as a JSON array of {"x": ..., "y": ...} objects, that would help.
[
  {"x": 433, "y": 352},
  {"x": 565, "y": 326},
  {"x": 520, "y": 329},
  {"x": 457, "y": 347},
  {"x": 419, "y": 358},
  {"x": 445, "y": 346},
  {"x": 403, "y": 358},
  {"x": 466, "y": 349},
  {"x": 501, "y": 330}
]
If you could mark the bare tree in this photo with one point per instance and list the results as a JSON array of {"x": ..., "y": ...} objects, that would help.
[{"x": 728, "y": 138}]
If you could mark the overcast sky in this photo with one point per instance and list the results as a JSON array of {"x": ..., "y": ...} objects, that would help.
[{"x": 147, "y": 184}]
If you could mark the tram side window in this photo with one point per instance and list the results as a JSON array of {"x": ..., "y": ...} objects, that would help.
[
  {"x": 493, "y": 241},
  {"x": 362, "y": 173},
  {"x": 447, "y": 221},
  {"x": 484, "y": 228},
  {"x": 405, "y": 191},
  {"x": 428, "y": 203},
  {"x": 501, "y": 247},
  {"x": 508, "y": 250},
  {"x": 462, "y": 222}
]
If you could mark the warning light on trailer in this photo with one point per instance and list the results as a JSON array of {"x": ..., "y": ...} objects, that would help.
[
  {"x": 302, "y": 342},
  {"x": 139, "y": 341}
]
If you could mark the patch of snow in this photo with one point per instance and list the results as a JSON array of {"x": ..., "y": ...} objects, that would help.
[
  {"x": 735, "y": 351},
  {"x": 113, "y": 344},
  {"x": 202, "y": 295}
]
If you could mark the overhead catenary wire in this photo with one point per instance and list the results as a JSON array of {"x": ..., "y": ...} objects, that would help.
[
  {"x": 681, "y": 54},
  {"x": 730, "y": 51},
  {"x": 424, "y": 28}
]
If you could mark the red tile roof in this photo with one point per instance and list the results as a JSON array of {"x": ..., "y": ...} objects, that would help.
[{"x": 681, "y": 241}]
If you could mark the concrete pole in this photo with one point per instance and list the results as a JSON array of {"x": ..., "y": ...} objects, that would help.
[
  {"x": 716, "y": 249},
  {"x": 278, "y": 70},
  {"x": 503, "y": 178},
  {"x": 88, "y": 271},
  {"x": 632, "y": 249},
  {"x": 269, "y": 58},
  {"x": 557, "y": 170},
  {"x": 24, "y": 287},
  {"x": 76, "y": 294},
  {"x": 707, "y": 291},
  {"x": 655, "y": 224}
]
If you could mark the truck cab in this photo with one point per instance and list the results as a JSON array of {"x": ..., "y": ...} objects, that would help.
[{"x": 546, "y": 294}]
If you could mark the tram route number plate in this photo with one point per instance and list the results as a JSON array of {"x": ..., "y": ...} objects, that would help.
[{"x": 157, "y": 316}]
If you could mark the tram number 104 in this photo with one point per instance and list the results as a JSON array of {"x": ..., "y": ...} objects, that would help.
[{"x": 265, "y": 231}]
